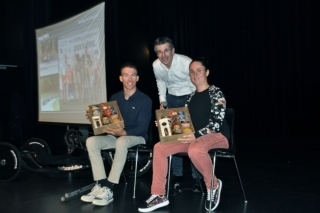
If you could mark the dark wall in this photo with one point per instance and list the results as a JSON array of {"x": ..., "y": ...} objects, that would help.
[
  {"x": 12, "y": 16},
  {"x": 263, "y": 54},
  {"x": 264, "y": 57}
]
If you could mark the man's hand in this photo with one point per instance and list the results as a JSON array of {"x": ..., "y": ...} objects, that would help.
[
  {"x": 117, "y": 131},
  {"x": 187, "y": 138},
  {"x": 163, "y": 105}
]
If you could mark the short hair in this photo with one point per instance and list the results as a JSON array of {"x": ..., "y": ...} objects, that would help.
[
  {"x": 128, "y": 64},
  {"x": 204, "y": 62},
  {"x": 163, "y": 40}
]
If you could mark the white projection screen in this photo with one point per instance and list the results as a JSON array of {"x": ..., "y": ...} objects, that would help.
[{"x": 71, "y": 67}]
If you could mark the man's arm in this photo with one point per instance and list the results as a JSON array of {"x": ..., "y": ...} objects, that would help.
[{"x": 161, "y": 84}]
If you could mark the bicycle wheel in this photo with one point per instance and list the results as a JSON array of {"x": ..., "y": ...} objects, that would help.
[
  {"x": 29, "y": 155},
  {"x": 28, "y": 144},
  {"x": 72, "y": 138},
  {"x": 10, "y": 162}
]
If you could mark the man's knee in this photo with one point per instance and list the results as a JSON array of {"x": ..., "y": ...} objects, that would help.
[
  {"x": 122, "y": 143},
  {"x": 90, "y": 143}
]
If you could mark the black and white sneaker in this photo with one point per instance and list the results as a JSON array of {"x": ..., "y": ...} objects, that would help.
[
  {"x": 214, "y": 197},
  {"x": 153, "y": 203}
]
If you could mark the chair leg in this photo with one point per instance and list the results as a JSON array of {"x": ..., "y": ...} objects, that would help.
[
  {"x": 135, "y": 173},
  {"x": 212, "y": 179},
  {"x": 124, "y": 177},
  {"x": 169, "y": 173},
  {"x": 235, "y": 163}
]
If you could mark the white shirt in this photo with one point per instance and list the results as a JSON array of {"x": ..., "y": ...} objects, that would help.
[{"x": 176, "y": 78}]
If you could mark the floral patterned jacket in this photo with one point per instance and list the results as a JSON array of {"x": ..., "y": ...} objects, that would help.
[{"x": 218, "y": 108}]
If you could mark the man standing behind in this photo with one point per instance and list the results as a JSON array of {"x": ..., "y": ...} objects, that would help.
[
  {"x": 135, "y": 108},
  {"x": 174, "y": 85}
]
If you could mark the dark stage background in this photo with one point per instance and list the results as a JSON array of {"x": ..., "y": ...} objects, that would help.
[{"x": 263, "y": 54}]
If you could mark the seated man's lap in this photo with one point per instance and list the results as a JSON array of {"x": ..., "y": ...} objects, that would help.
[
  {"x": 101, "y": 142},
  {"x": 128, "y": 141}
]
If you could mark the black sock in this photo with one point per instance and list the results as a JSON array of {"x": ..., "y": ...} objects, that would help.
[{"x": 105, "y": 182}]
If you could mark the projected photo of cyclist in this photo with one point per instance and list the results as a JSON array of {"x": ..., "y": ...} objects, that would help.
[{"x": 71, "y": 54}]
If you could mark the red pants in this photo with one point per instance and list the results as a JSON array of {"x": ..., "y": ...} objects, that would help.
[{"x": 198, "y": 153}]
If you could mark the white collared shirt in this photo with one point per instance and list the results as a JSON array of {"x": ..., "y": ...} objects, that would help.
[{"x": 176, "y": 78}]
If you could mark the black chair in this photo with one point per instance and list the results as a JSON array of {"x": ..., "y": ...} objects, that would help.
[
  {"x": 169, "y": 172},
  {"x": 145, "y": 150},
  {"x": 224, "y": 153},
  {"x": 227, "y": 153}
]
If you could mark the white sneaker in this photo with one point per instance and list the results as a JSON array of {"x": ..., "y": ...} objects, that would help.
[
  {"x": 104, "y": 197},
  {"x": 92, "y": 195}
]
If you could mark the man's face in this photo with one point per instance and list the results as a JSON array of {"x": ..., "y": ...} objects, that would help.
[
  {"x": 165, "y": 53},
  {"x": 129, "y": 78}
]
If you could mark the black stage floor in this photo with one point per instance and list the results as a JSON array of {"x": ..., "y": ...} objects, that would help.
[{"x": 277, "y": 180}]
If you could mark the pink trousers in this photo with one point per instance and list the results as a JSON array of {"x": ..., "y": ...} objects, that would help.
[{"x": 198, "y": 153}]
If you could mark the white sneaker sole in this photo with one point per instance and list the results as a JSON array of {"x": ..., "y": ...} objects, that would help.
[
  {"x": 154, "y": 207},
  {"x": 100, "y": 203},
  {"x": 88, "y": 200}
]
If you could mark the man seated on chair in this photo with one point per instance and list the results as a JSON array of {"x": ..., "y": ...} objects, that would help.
[
  {"x": 207, "y": 107},
  {"x": 135, "y": 108}
]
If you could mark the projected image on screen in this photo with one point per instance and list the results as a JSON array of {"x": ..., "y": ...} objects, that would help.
[{"x": 71, "y": 67}]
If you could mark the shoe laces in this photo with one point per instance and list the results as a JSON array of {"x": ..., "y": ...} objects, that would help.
[
  {"x": 95, "y": 190},
  {"x": 151, "y": 198},
  {"x": 213, "y": 192},
  {"x": 104, "y": 191}
]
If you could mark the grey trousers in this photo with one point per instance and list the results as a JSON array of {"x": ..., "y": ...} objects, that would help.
[{"x": 97, "y": 143}]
